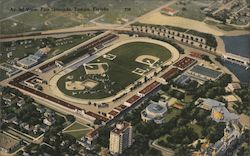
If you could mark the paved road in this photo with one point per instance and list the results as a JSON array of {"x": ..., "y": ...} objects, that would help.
[{"x": 165, "y": 151}]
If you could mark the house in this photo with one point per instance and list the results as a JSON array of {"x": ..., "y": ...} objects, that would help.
[
  {"x": 208, "y": 103},
  {"x": 10, "y": 99},
  {"x": 49, "y": 113},
  {"x": 36, "y": 129},
  {"x": 1, "y": 90},
  {"x": 231, "y": 87},
  {"x": 15, "y": 121},
  {"x": 20, "y": 101},
  {"x": 44, "y": 128},
  {"x": 27, "y": 127},
  {"x": 232, "y": 98},
  {"x": 10, "y": 118},
  {"x": 9, "y": 54},
  {"x": 168, "y": 11},
  {"x": 73, "y": 147},
  {"x": 49, "y": 121},
  {"x": 178, "y": 106},
  {"x": 40, "y": 109},
  {"x": 92, "y": 135}
]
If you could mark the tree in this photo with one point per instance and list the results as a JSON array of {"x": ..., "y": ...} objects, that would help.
[
  {"x": 70, "y": 118},
  {"x": 103, "y": 138},
  {"x": 153, "y": 152},
  {"x": 97, "y": 122},
  {"x": 182, "y": 150}
]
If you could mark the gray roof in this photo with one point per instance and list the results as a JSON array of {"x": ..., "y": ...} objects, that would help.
[
  {"x": 156, "y": 108},
  {"x": 211, "y": 102},
  {"x": 29, "y": 61},
  {"x": 206, "y": 71}
]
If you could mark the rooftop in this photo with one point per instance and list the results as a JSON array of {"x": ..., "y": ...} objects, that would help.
[
  {"x": 206, "y": 71},
  {"x": 210, "y": 102},
  {"x": 149, "y": 88},
  {"x": 169, "y": 74},
  {"x": 121, "y": 127},
  {"x": 156, "y": 108},
  {"x": 27, "y": 61},
  {"x": 97, "y": 116},
  {"x": 113, "y": 113},
  {"x": 133, "y": 99},
  {"x": 185, "y": 62}
]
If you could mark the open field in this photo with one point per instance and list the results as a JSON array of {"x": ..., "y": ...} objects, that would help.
[
  {"x": 171, "y": 114},
  {"x": 76, "y": 126},
  {"x": 176, "y": 21},
  {"x": 44, "y": 17},
  {"x": 77, "y": 130},
  {"x": 191, "y": 9},
  {"x": 23, "y": 48},
  {"x": 112, "y": 81}
]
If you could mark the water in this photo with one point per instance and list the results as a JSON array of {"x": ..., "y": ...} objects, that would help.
[
  {"x": 239, "y": 45},
  {"x": 239, "y": 71}
]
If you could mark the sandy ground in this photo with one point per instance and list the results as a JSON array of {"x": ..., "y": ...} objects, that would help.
[
  {"x": 76, "y": 85},
  {"x": 141, "y": 59},
  {"x": 158, "y": 18},
  {"x": 221, "y": 46}
]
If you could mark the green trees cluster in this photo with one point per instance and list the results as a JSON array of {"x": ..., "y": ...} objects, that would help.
[
  {"x": 213, "y": 89},
  {"x": 243, "y": 107}
]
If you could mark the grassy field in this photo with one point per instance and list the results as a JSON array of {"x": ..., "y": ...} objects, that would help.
[
  {"x": 78, "y": 134},
  {"x": 173, "y": 112},
  {"x": 119, "y": 74},
  {"x": 77, "y": 130},
  {"x": 76, "y": 126},
  {"x": 114, "y": 12},
  {"x": 191, "y": 9},
  {"x": 22, "y": 50}
]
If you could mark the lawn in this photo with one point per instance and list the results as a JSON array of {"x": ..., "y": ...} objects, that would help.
[
  {"x": 78, "y": 134},
  {"x": 188, "y": 98},
  {"x": 119, "y": 74},
  {"x": 76, "y": 126},
  {"x": 11, "y": 27},
  {"x": 172, "y": 113},
  {"x": 113, "y": 11},
  {"x": 77, "y": 130},
  {"x": 197, "y": 129}
]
